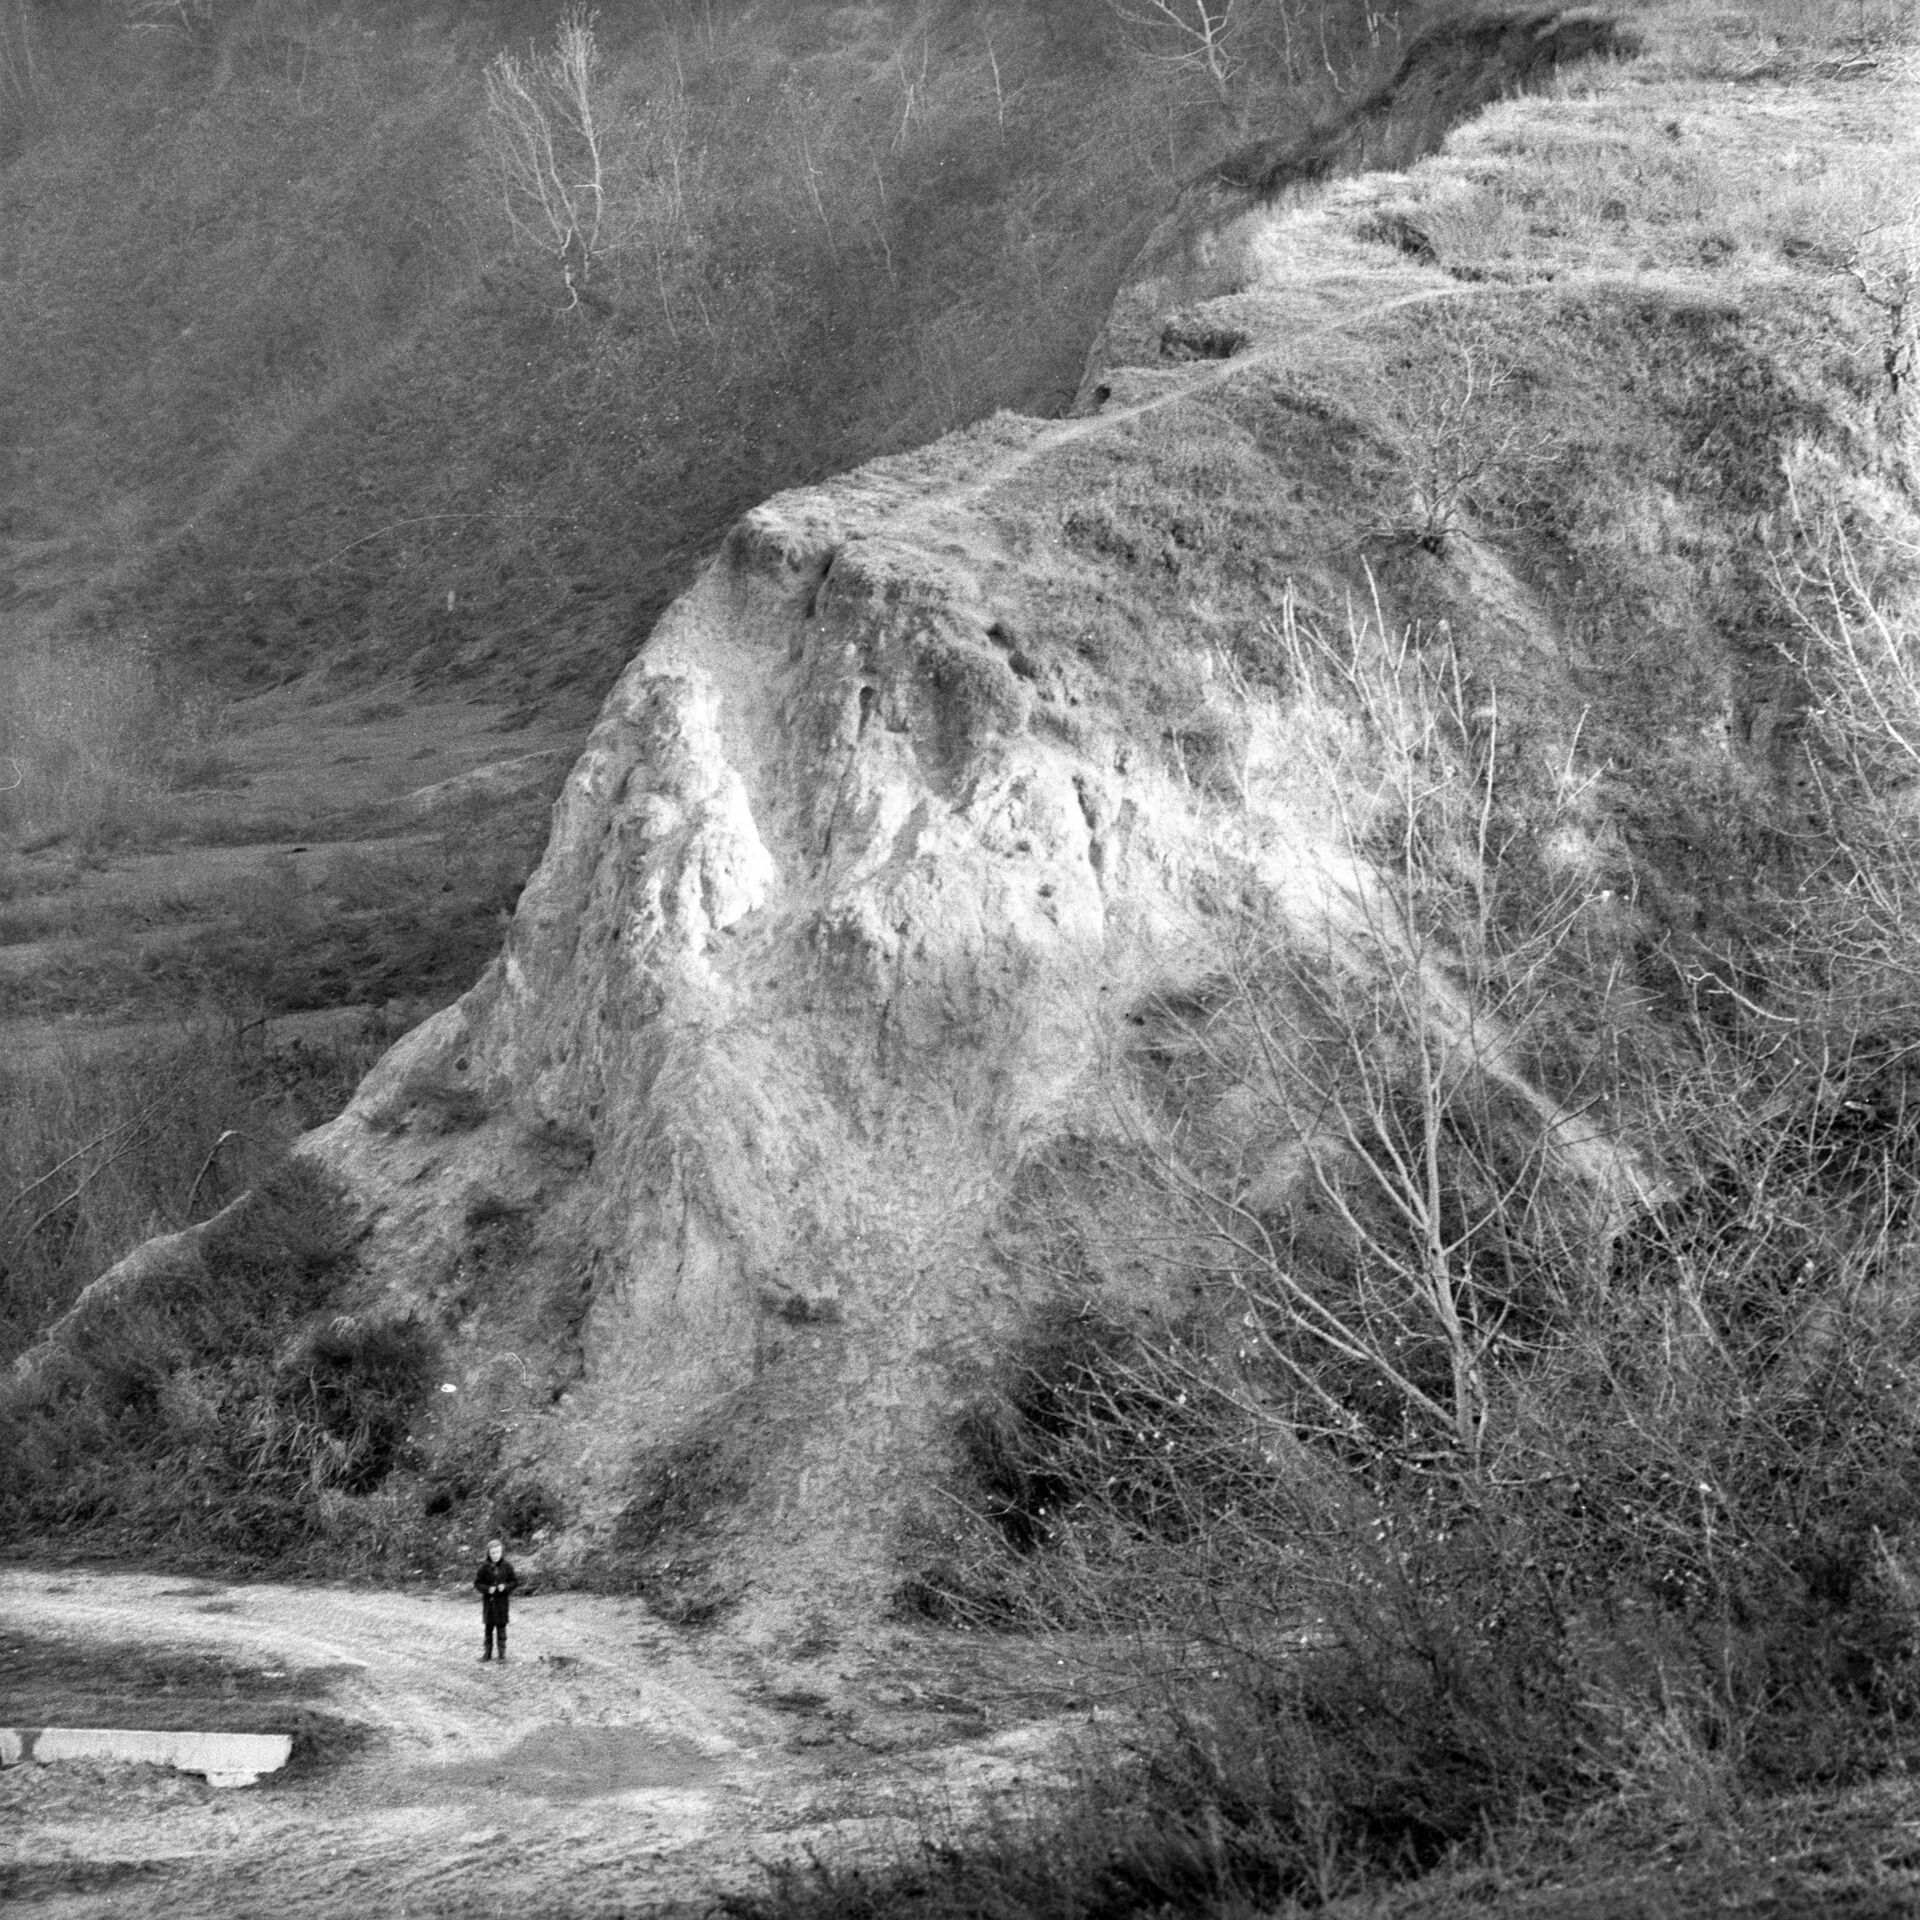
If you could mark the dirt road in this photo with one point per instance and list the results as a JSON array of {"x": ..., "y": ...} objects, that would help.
[{"x": 613, "y": 1766}]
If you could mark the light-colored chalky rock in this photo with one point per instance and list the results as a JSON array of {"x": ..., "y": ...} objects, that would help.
[{"x": 226, "y": 1759}]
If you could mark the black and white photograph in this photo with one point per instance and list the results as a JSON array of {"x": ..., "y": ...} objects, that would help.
[{"x": 959, "y": 959}]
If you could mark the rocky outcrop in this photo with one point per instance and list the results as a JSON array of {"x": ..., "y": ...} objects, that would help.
[
  {"x": 939, "y": 776},
  {"x": 843, "y": 906}
]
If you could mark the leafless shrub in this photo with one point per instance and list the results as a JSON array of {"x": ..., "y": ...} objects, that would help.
[
  {"x": 1885, "y": 266},
  {"x": 23, "y": 80},
  {"x": 1467, "y": 433},
  {"x": 546, "y": 138},
  {"x": 1845, "y": 572},
  {"x": 1372, "y": 1055},
  {"x": 1198, "y": 36}
]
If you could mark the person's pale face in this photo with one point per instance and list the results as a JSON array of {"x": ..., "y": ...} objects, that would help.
[{"x": 495, "y": 1551}]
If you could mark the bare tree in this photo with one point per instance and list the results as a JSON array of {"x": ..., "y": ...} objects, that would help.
[
  {"x": 1885, "y": 266},
  {"x": 1842, "y": 571},
  {"x": 545, "y": 136},
  {"x": 1380, "y": 1039},
  {"x": 1196, "y": 36},
  {"x": 1857, "y": 644},
  {"x": 1462, "y": 434},
  {"x": 21, "y": 80}
]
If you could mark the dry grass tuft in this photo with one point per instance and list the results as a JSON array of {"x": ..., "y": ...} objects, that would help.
[{"x": 95, "y": 734}]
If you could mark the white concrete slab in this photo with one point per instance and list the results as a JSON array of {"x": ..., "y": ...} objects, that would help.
[{"x": 226, "y": 1759}]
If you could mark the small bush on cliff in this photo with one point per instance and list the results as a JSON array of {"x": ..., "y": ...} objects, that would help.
[
  {"x": 346, "y": 1395},
  {"x": 1111, "y": 1475}
]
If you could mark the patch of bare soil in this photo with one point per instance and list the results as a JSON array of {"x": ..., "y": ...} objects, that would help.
[{"x": 613, "y": 1765}]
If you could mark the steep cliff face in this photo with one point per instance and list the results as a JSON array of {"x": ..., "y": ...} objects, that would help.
[
  {"x": 746, "y": 1155},
  {"x": 845, "y": 903}
]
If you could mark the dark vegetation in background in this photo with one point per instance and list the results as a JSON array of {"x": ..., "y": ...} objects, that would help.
[
  {"x": 417, "y": 933},
  {"x": 416, "y": 925},
  {"x": 1080, "y": 1452},
  {"x": 100, "y": 1151},
  {"x": 212, "y": 1415},
  {"x": 524, "y": 1505},
  {"x": 242, "y": 1415}
]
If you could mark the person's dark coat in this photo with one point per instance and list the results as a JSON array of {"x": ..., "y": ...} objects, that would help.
[{"x": 495, "y": 1581}]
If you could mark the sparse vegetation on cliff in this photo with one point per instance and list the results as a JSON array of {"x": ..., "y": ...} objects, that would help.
[{"x": 1481, "y": 1500}]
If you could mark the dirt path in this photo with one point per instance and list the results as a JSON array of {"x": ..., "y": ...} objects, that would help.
[{"x": 613, "y": 1766}]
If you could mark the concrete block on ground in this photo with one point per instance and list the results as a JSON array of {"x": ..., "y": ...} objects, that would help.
[{"x": 226, "y": 1759}]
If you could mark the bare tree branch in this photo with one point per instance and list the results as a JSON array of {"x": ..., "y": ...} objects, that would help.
[{"x": 546, "y": 139}]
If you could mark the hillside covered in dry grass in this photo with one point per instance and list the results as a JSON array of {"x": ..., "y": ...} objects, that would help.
[
  {"x": 303, "y": 374},
  {"x": 1260, "y": 1001}
]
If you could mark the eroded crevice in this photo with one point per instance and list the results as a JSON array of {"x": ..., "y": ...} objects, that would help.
[
  {"x": 1189, "y": 338},
  {"x": 1449, "y": 73},
  {"x": 811, "y": 609},
  {"x": 1452, "y": 71}
]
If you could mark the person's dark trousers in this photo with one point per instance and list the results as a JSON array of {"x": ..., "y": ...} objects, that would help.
[{"x": 493, "y": 1632}]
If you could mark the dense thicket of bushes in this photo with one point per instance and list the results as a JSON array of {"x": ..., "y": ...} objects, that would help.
[
  {"x": 225, "y": 1409},
  {"x": 1680, "y": 1572}
]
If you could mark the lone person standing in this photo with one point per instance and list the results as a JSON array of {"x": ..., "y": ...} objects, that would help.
[{"x": 495, "y": 1581}]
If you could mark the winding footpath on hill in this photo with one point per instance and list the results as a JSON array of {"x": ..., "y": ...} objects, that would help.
[{"x": 611, "y": 1765}]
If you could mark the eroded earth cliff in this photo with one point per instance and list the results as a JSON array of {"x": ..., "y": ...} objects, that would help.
[{"x": 844, "y": 983}]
